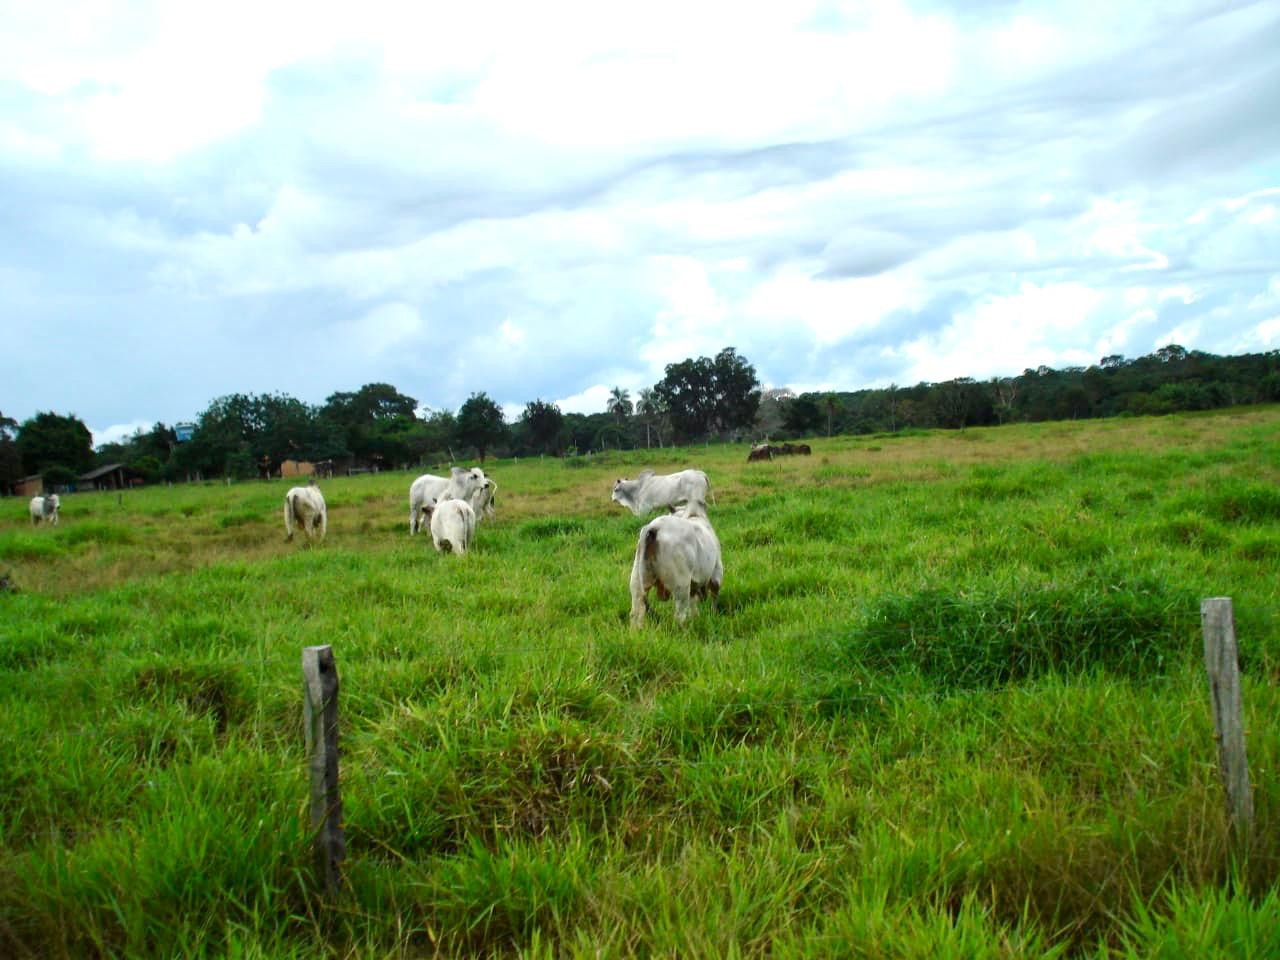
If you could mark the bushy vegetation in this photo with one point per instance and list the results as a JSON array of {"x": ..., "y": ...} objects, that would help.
[{"x": 951, "y": 703}]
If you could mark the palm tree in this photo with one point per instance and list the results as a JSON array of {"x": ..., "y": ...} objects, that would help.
[
  {"x": 619, "y": 404},
  {"x": 831, "y": 409},
  {"x": 647, "y": 406}
]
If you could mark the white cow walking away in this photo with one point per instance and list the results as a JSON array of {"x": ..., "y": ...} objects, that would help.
[
  {"x": 679, "y": 554},
  {"x": 45, "y": 509},
  {"x": 647, "y": 492},
  {"x": 453, "y": 525},
  {"x": 459, "y": 485},
  {"x": 304, "y": 507}
]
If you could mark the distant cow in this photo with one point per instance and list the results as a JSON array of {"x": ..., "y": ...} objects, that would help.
[
  {"x": 459, "y": 485},
  {"x": 45, "y": 509},
  {"x": 304, "y": 507},
  {"x": 453, "y": 525},
  {"x": 648, "y": 492},
  {"x": 679, "y": 555},
  {"x": 761, "y": 451}
]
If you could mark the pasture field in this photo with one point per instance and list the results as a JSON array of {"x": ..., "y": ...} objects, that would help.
[{"x": 952, "y": 704}]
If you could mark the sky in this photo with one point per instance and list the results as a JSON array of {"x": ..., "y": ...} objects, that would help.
[{"x": 548, "y": 200}]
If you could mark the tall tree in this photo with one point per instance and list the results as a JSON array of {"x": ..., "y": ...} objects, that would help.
[
  {"x": 543, "y": 424},
  {"x": 647, "y": 407},
  {"x": 830, "y": 401},
  {"x": 53, "y": 440},
  {"x": 379, "y": 423},
  {"x": 480, "y": 424},
  {"x": 736, "y": 391},
  {"x": 619, "y": 406},
  {"x": 688, "y": 393},
  {"x": 10, "y": 458}
]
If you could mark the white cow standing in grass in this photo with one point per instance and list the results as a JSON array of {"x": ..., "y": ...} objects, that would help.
[
  {"x": 304, "y": 507},
  {"x": 459, "y": 485},
  {"x": 453, "y": 525},
  {"x": 679, "y": 554},
  {"x": 647, "y": 492},
  {"x": 45, "y": 509},
  {"x": 484, "y": 500}
]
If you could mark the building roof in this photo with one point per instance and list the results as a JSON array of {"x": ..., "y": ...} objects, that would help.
[{"x": 102, "y": 471}]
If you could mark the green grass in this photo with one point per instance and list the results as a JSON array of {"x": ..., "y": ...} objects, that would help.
[{"x": 950, "y": 704}]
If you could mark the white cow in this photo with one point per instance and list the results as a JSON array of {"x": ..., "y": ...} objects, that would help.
[
  {"x": 459, "y": 485},
  {"x": 677, "y": 553},
  {"x": 453, "y": 525},
  {"x": 646, "y": 491},
  {"x": 305, "y": 508},
  {"x": 483, "y": 501},
  {"x": 45, "y": 508}
]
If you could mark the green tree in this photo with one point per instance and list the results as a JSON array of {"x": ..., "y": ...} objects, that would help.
[
  {"x": 802, "y": 414},
  {"x": 51, "y": 439},
  {"x": 688, "y": 393},
  {"x": 480, "y": 424},
  {"x": 10, "y": 458},
  {"x": 649, "y": 409},
  {"x": 619, "y": 406},
  {"x": 379, "y": 424},
  {"x": 736, "y": 391},
  {"x": 543, "y": 424}
]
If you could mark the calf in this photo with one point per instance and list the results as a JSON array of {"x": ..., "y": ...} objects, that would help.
[{"x": 679, "y": 554}]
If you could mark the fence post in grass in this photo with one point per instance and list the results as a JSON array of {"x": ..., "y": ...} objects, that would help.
[
  {"x": 1222, "y": 661},
  {"x": 320, "y": 717}
]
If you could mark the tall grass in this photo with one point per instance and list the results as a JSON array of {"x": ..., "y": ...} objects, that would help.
[{"x": 950, "y": 703}]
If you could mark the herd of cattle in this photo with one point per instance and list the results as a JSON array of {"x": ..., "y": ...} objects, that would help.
[
  {"x": 767, "y": 451},
  {"x": 677, "y": 554}
]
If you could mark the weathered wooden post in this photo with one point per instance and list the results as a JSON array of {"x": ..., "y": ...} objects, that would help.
[
  {"x": 320, "y": 717},
  {"x": 1222, "y": 662}
]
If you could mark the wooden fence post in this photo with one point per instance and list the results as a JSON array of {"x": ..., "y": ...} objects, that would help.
[
  {"x": 320, "y": 718},
  {"x": 1221, "y": 660}
]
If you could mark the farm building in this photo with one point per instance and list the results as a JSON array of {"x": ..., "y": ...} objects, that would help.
[
  {"x": 31, "y": 486},
  {"x": 305, "y": 468},
  {"x": 112, "y": 476}
]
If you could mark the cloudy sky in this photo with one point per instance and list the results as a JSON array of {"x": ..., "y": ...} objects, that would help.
[{"x": 544, "y": 200}]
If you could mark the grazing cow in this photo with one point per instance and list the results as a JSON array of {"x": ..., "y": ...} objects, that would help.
[
  {"x": 453, "y": 525},
  {"x": 761, "y": 451},
  {"x": 45, "y": 509},
  {"x": 459, "y": 485},
  {"x": 647, "y": 492},
  {"x": 677, "y": 553},
  {"x": 305, "y": 508}
]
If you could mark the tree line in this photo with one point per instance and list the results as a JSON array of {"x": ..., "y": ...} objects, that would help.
[
  {"x": 1169, "y": 380},
  {"x": 698, "y": 399},
  {"x": 378, "y": 427}
]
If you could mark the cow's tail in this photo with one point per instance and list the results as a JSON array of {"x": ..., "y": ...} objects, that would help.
[
  {"x": 650, "y": 545},
  {"x": 290, "y": 514}
]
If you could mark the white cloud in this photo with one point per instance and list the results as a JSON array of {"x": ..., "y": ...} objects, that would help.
[{"x": 118, "y": 432}]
